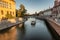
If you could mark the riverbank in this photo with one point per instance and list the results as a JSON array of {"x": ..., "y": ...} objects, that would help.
[
  {"x": 8, "y": 34},
  {"x": 54, "y": 27},
  {"x": 10, "y": 23}
]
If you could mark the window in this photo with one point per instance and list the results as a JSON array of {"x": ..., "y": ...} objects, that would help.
[
  {"x": 2, "y": 12},
  {"x": 7, "y": 12},
  {"x": 0, "y": 3},
  {"x": 13, "y": 13},
  {"x": 10, "y": 5},
  {"x": 4, "y": 4},
  {"x": 10, "y": 12}
]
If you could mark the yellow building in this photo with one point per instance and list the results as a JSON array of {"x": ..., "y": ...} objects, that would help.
[{"x": 7, "y": 7}]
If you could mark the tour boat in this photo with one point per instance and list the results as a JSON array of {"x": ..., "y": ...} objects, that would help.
[{"x": 33, "y": 22}]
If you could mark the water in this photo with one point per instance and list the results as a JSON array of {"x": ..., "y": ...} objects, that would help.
[
  {"x": 28, "y": 32},
  {"x": 37, "y": 32}
]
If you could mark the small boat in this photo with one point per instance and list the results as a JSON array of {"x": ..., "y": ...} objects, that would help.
[{"x": 33, "y": 22}]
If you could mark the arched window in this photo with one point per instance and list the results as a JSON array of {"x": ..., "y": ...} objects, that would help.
[
  {"x": 2, "y": 12},
  {"x": 13, "y": 13},
  {"x": 10, "y": 12},
  {"x": 7, "y": 12}
]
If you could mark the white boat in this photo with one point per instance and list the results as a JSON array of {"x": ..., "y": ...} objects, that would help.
[{"x": 33, "y": 22}]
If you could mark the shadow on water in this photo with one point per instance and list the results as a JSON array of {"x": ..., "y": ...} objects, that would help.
[
  {"x": 4, "y": 30},
  {"x": 21, "y": 33},
  {"x": 52, "y": 31}
]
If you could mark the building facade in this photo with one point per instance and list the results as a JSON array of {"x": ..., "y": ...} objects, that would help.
[
  {"x": 56, "y": 8},
  {"x": 40, "y": 13},
  {"x": 7, "y": 7},
  {"x": 47, "y": 12}
]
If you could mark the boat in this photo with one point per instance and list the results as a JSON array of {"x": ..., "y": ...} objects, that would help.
[{"x": 33, "y": 22}]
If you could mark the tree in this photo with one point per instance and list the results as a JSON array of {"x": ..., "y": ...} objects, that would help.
[{"x": 22, "y": 10}]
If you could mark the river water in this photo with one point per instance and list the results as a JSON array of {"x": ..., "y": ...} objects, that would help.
[{"x": 28, "y": 32}]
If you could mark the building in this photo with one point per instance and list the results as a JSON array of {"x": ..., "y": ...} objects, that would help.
[
  {"x": 54, "y": 12},
  {"x": 7, "y": 7},
  {"x": 40, "y": 13},
  {"x": 56, "y": 8},
  {"x": 47, "y": 12},
  {"x": 58, "y": 11}
]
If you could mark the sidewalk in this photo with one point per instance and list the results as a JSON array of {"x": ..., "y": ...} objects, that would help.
[
  {"x": 55, "y": 20},
  {"x": 55, "y": 25},
  {"x": 5, "y": 23}
]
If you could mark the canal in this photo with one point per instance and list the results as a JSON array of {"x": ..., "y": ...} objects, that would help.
[{"x": 28, "y": 32}]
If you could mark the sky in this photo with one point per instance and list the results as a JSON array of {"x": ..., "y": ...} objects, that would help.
[{"x": 33, "y": 6}]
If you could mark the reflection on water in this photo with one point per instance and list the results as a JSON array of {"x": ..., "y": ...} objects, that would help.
[
  {"x": 28, "y": 32},
  {"x": 20, "y": 33},
  {"x": 9, "y": 34},
  {"x": 37, "y": 32}
]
